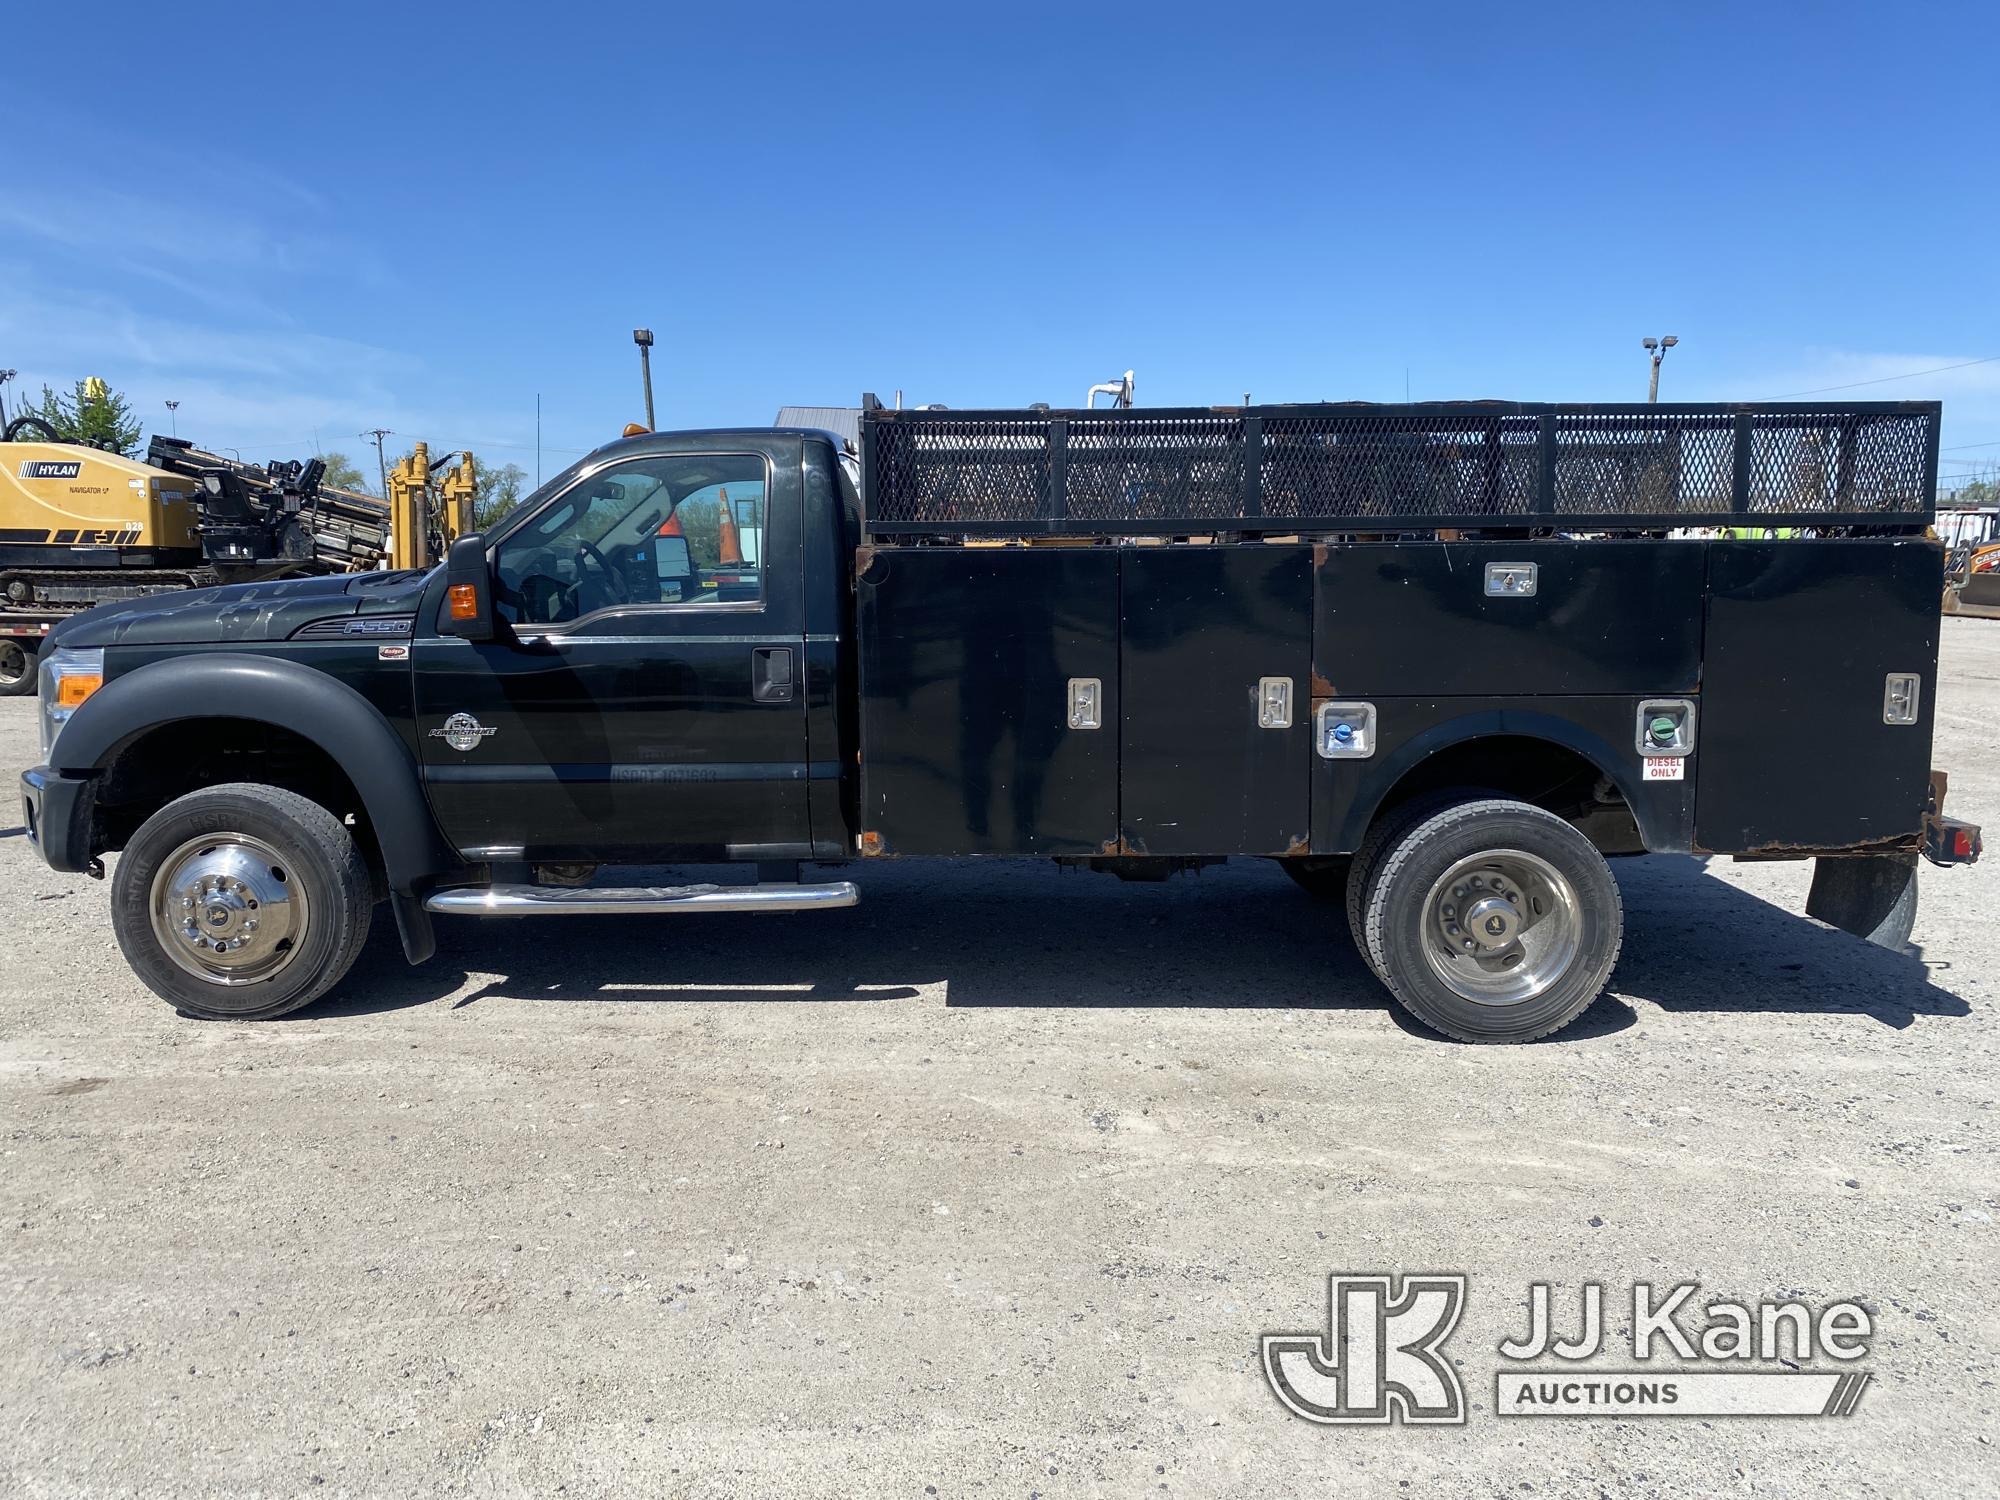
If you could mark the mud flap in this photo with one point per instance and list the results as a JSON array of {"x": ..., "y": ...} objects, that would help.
[
  {"x": 413, "y": 926},
  {"x": 1872, "y": 896}
]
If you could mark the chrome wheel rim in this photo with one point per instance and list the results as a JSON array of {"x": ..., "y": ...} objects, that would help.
[
  {"x": 229, "y": 909},
  {"x": 14, "y": 662},
  {"x": 1502, "y": 927}
]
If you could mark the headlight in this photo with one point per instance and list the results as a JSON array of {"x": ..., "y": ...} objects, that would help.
[{"x": 67, "y": 678}]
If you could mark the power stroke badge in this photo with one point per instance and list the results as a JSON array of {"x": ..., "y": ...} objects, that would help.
[
  {"x": 1381, "y": 1360},
  {"x": 462, "y": 732}
]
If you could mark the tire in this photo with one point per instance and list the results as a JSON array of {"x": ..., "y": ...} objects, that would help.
[
  {"x": 17, "y": 668},
  {"x": 1531, "y": 873},
  {"x": 1323, "y": 877},
  {"x": 262, "y": 869},
  {"x": 1382, "y": 834}
]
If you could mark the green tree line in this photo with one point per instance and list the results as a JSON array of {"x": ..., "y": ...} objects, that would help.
[{"x": 89, "y": 412}]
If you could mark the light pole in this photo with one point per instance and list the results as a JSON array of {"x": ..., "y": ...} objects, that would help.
[
  {"x": 381, "y": 463},
  {"x": 643, "y": 337},
  {"x": 174, "y": 421},
  {"x": 1658, "y": 348}
]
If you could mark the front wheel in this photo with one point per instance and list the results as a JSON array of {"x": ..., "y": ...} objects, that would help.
[
  {"x": 241, "y": 902},
  {"x": 1494, "y": 921}
]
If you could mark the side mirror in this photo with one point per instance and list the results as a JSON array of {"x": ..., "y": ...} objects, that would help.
[{"x": 468, "y": 594}]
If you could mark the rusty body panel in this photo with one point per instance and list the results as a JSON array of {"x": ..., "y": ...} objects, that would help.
[
  {"x": 1199, "y": 630},
  {"x": 1801, "y": 634},
  {"x": 1415, "y": 618},
  {"x": 1781, "y": 645},
  {"x": 966, "y": 656},
  {"x": 1489, "y": 730}
]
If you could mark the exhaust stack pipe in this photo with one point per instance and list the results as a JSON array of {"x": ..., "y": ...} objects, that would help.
[{"x": 1120, "y": 392}]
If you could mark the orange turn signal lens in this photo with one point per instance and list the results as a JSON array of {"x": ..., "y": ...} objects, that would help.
[
  {"x": 74, "y": 688},
  {"x": 464, "y": 601}
]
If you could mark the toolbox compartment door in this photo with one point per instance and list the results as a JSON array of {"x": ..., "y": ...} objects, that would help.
[
  {"x": 967, "y": 660},
  {"x": 1420, "y": 618},
  {"x": 1792, "y": 753},
  {"x": 1202, "y": 628}
]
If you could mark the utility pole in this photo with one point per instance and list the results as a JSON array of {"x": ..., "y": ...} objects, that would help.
[
  {"x": 1659, "y": 348},
  {"x": 643, "y": 337},
  {"x": 381, "y": 464},
  {"x": 173, "y": 420}
]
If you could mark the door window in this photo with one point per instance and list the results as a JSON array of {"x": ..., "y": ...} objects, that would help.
[{"x": 678, "y": 531}]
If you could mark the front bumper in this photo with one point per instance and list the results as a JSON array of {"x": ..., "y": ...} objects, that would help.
[{"x": 58, "y": 811}]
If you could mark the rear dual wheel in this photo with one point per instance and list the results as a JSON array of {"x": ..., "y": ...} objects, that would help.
[{"x": 1489, "y": 920}]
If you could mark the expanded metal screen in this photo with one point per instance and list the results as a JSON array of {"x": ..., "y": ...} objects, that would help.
[{"x": 1398, "y": 468}]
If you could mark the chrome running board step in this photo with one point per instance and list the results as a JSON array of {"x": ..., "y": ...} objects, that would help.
[{"x": 587, "y": 901}]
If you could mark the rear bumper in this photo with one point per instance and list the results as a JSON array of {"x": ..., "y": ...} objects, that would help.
[{"x": 57, "y": 812}]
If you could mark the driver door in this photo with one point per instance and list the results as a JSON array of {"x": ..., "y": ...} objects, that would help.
[{"x": 644, "y": 702}]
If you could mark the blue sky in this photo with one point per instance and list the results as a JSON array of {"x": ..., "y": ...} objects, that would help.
[{"x": 303, "y": 222}]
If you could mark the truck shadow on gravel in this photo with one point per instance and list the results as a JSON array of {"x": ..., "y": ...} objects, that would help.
[{"x": 1026, "y": 934}]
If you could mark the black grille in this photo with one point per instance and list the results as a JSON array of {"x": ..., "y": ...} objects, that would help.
[{"x": 1398, "y": 468}]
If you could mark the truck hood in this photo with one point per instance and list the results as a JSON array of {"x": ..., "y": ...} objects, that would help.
[{"x": 270, "y": 611}]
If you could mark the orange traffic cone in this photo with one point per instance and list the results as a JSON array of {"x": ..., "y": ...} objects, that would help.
[
  {"x": 729, "y": 547},
  {"x": 672, "y": 525}
]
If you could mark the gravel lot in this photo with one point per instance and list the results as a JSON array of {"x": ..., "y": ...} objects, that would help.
[{"x": 986, "y": 1187}]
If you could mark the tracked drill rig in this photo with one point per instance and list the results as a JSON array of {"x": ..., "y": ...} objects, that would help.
[{"x": 83, "y": 525}]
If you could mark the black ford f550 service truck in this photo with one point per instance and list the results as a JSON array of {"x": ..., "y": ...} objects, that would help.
[{"x": 1439, "y": 661}]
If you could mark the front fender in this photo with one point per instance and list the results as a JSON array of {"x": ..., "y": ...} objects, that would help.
[{"x": 285, "y": 695}]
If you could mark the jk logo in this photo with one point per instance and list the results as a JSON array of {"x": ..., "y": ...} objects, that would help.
[{"x": 1378, "y": 1360}]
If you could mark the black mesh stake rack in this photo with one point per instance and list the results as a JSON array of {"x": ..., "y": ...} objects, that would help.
[{"x": 1389, "y": 469}]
